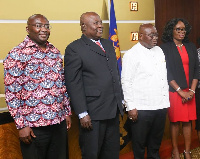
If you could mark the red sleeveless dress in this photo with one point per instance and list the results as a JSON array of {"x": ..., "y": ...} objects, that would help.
[{"x": 179, "y": 111}]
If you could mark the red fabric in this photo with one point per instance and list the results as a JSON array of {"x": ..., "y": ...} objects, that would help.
[
  {"x": 98, "y": 43},
  {"x": 179, "y": 111}
]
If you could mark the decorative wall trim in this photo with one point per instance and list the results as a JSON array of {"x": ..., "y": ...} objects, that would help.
[
  {"x": 77, "y": 21},
  {"x": 3, "y": 109},
  {"x": 123, "y": 51},
  {"x": 2, "y": 95}
]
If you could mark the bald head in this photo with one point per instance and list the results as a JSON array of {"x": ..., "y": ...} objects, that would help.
[
  {"x": 91, "y": 25},
  {"x": 148, "y": 35},
  {"x": 85, "y": 17},
  {"x": 86, "y": 14},
  {"x": 35, "y": 16},
  {"x": 144, "y": 26}
]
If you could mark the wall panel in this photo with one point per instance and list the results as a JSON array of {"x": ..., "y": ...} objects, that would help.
[
  {"x": 55, "y": 10},
  {"x": 11, "y": 36},
  {"x": 145, "y": 10},
  {"x": 168, "y": 9}
]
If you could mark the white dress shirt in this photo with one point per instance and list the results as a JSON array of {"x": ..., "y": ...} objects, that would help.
[{"x": 144, "y": 78}]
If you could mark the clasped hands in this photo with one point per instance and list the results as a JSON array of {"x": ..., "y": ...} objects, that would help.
[{"x": 186, "y": 96}]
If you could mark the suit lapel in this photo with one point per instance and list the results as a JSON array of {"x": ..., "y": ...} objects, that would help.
[
  {"x": 105, "y": 45},
  {"x": 178, "y": 60},
  {"x": 92, "y": 46},
  {"x": 176, "y": 54}
]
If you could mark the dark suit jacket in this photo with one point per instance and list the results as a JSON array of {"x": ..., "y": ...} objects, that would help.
[
  {"x": 175, "y": 70},
  {"x": 92, "y": 78}
]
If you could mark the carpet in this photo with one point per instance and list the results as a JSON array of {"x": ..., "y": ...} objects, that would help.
[{"x": 195, "y": 154}]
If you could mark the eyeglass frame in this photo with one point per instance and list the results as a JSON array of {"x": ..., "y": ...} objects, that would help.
[
  {"x": 178, "y": 30},
  {"x": 46, "y": 26}
]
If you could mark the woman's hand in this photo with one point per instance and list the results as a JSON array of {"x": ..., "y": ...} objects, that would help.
[{"x": 186, "y": 96}]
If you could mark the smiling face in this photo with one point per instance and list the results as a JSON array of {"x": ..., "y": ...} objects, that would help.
[
  {"x": 179, "y": 32},
  {"x": 91, "y": 25},
  {"x": 39, "y": 35}
]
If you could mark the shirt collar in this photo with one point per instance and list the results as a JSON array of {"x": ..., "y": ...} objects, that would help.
[
  {"x": 145, "y": 47},
  {"x": 96, "y": 41},
  {"x": 30, "y": 43}
]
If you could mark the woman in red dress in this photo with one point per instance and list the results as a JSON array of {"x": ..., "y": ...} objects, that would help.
[{"x": 182, "y": 67}]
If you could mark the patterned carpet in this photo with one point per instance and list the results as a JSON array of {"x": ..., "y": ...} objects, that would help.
[{"x": 195, "y": 153}]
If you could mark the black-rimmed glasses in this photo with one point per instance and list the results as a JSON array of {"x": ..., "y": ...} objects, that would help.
[{"x": 180, "y": 29}]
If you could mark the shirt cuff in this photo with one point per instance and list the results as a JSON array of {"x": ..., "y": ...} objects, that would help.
[
  {"x": 130, "y": 106},
  {"x": 81, "y": 115}
]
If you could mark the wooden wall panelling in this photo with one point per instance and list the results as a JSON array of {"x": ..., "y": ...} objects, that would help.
[{"x": 168, "y": 9}]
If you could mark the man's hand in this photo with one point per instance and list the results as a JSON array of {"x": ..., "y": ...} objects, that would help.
[
  {"x": 68, "y": 122},
  {"x": 86, "y": 122},
  {"x": 133, "y": 114},
  {"x": 26, "y": 134}
]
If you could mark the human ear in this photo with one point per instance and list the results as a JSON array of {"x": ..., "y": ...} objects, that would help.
[
  {"x": 83, "y": 27},
  {"x": 27, "y": 29},
  {"x": 140, "y": 36}
]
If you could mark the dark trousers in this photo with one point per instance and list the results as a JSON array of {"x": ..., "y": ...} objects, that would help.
[
  {"x": 147, "y": 131},
  {"x": 197, "y": 98},
  {"x": 103, "y": 142},
  {"x": 50, "y": 143}
]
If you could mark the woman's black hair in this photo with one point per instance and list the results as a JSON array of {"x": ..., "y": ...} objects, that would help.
[{"x": 167, "y": 35}]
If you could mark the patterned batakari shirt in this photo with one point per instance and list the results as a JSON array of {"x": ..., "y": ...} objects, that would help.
[{"x": 34, "y": 85}]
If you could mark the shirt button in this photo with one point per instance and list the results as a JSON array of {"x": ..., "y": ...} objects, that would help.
[
  {"x": 110, "y": 70},
  {"x": 107, "y": 59},
  {"x": 113, "y": 81}
]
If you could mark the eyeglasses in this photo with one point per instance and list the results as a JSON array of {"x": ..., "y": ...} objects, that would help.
[
  {"x": 39, "y": 26},
  {"x": 180, "y": 29}
]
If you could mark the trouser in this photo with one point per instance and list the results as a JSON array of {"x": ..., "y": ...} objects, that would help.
[
  {"x": 197, "y": 98},
  {"x": 103, "y": 142},
  {"x": 50, "y": 143},
  {"x": 147, "y": 131}
]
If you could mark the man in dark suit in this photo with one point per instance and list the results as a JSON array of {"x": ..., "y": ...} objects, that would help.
[{"x": 93, "y": 83}]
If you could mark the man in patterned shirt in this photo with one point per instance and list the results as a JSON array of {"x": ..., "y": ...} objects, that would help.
[{"x": 36, "y": 95}]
